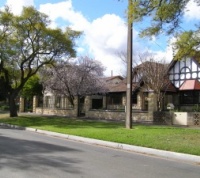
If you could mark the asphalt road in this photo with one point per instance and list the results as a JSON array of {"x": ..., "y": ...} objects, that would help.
[{"x": 25, "y": 154}]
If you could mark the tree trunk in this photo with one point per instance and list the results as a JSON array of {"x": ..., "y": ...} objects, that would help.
[{"x": 13, "y": 107}]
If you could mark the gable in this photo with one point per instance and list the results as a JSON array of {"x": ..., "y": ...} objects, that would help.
[{"x": 180, "y": 71}]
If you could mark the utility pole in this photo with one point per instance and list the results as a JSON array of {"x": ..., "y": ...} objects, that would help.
[{"x": 129, "y": 71}]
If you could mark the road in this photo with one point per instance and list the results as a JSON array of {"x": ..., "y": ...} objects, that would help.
[{"x": 27, "y": 154}]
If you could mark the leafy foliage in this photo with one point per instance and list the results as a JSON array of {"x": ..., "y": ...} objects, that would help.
[
  {"x": 26, "y": 45},
  {"x": 165, "y": 17},
  {"x": 187, "y": 45},
  {"x": 32, "y": 87}
]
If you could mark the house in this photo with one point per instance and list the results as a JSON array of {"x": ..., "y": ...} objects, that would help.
[
  {"x": 180, "y": 87},
  {"x": 185, "y": 76}
]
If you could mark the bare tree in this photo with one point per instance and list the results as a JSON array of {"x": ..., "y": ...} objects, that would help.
[
  {"x": 74, "y": 79},
  {"x": 154, "y": 76},
  {"x": 122, "y": 55}
]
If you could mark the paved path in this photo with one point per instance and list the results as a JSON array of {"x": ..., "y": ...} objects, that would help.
[{"x": 30, "y": 154}]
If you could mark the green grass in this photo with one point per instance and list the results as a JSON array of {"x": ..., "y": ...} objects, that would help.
[{"x": 183, "y": 140}]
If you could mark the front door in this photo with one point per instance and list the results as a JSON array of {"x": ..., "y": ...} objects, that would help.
[{"x": 81, "y": 106}]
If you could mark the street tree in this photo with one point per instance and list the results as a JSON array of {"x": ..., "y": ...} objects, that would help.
[
  {"x": 165, "y": 17},
  {"x": 26, "y": 45},
  {"x": 74, "y": 79}
]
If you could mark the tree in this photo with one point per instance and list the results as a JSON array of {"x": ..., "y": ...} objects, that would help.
[
  {"x": 26, "y": 45},
  {"x": 153, "y": 75},
  {"x": 32, "y": 87},
  {"x": 165, "y": 17},
  {"x": 187, "y": 45},
  {"x": 74, "y": 79}
]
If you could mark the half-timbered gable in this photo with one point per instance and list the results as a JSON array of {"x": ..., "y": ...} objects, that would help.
[
  {"x": 185, "y": 76},
  {"x": 184, "y": 70}
]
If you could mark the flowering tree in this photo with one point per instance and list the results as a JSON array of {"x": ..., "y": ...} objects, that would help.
[{"x": 74, "y": 79}]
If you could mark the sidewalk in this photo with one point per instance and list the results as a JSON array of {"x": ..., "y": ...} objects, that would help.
[{"x": 192, "y": 159}]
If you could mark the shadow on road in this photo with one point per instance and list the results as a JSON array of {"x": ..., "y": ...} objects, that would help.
[{"x": 34, "y": 155}]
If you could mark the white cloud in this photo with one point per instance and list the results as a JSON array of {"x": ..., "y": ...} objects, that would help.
[
  {"x": 192, "y": 11},
  {"x": 166, "y": 55},
  {"x": 106, "y": 36},
  {"x": 16, "y": 7},
  {"x": 64, "y": 10}
]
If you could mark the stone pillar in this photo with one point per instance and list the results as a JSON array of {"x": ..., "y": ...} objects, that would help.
[
  {"x": 21, "y": 104},
  {"x": 139, "y": 101},
  {"x": 87, "y": 104},
  {"x": 35, "y": 103},
  {"x": 124, "y": 100},
  {"x": 76, "y": 106},
  {"x": 152, "y": 105}
]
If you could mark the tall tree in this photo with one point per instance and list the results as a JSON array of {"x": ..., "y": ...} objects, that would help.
[
  {"x": 26, "y": 45},
  {"x": 165, "y": 17},
  {"x": 187, "y": 45},
  {"x": 74, "y": 79}
]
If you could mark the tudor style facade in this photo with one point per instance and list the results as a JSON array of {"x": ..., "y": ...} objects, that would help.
[{"x": 185, "y": 76}]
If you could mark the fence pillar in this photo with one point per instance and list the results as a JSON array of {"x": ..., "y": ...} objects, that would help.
[
  {"x": 35, "y": 103},
  {"x": 21, "y": 104}
]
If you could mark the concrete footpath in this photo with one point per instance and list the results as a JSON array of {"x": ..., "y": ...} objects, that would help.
[{"x": 192, "y": 159}]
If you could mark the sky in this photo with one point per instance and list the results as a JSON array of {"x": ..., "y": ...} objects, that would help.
[{"x": 104, "y": 27}]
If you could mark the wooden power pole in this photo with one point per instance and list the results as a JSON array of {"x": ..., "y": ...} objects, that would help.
[{"x": 129, "y": 71}]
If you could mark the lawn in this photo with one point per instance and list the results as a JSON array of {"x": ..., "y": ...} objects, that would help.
[{"x": 183, "y": 140}]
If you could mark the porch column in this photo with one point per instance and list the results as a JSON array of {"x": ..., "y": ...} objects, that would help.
[
  {"x": 124, "y": 101},
  {"x": 139, "y": 101},
  {"x": 21, "y": 104},
  {"x": 87, "y": 104},
  {"x": 76, "y": 106},
  {"x": 35, "y": 103},
  {"x": 152, "y": 105}
]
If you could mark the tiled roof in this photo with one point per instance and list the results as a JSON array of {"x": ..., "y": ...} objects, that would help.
[
  {"x": 121, "y": 87},
  {"x": 169, "y": 87},
  {"x": 190, "y": 85},
  {"x": 112, "y": 77}
]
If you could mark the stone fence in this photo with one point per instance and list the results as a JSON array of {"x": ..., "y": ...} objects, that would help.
[{"x": 138, "y": 116}]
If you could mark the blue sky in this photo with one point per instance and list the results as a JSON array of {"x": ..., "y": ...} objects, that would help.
[{"x": 103, "y": 23}]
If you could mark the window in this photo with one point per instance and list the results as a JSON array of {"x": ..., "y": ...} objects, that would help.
[
  {"x": 58, "y": 102},
  {"x": 97, "y": 103},
  {"x": 48, "y": 102},
  {"x": 115, "y": 99},
  {"x": 134, "y": 98},
  {"x": 190, "y": 97}
]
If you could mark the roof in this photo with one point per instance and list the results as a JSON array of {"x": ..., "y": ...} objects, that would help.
[
  {"x": 122, "y": 87},
  {"x": 190, "y": 85}
]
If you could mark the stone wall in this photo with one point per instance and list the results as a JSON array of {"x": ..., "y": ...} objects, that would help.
[
  {"x": 59, "y": 112},
  {"x": 138, "y": 116}
]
